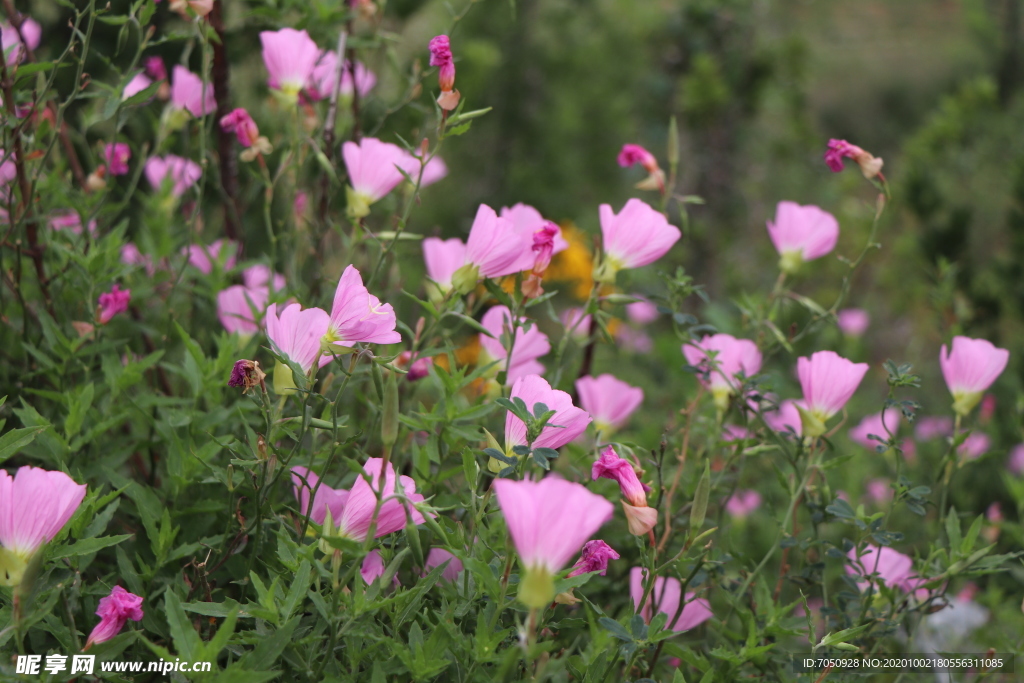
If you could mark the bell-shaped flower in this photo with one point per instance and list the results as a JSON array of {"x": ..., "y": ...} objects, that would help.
[
  {"x": 828, "y": 381},
  {"x": 113, "y": 302},
  {"x": 664, "y": 598},
  {"x": 325, "y": 499},
  {"x": 876, "y": 426},
  {"x": 970, "y": 367},
  {"x": 113, "y": 611},
  {"x": 640, "y": 518},
  {"x": 802, "y": 233},
  {"x": 893, "y": 568},
  {"x": 853, "y": 322},
  {"x": 642, "y": 312},
  {"x": 35, "y": 504},
  {"x": 565, "y": 425},
  {"x": 438, "y": 556},
  {"x": 636, "y": 237},
  {"x": 358, "y": 316},
  {"x": 361, "y": 511},
  {"x": 974, "y": 446},
  {"x": 373, "y": 568},
  {"x": 297, "y": 335},
  {"x": 181, "y": 173},
  {"x": 188, "y": 93},
  {"x": 528, "y": 347},
  {"x": 722, "y": 358},
  {"x": 609, "y": 400},
  {"x": 290, "y": 57},
  {"x": 494, "y": 249},
  {"x": 527, "y": 221},
  {"x": 549, "y": 521},
  {"x": 443, "y": 258},
  {"x": 742, "y": 503},
  {"x": 373, "y": 171},
  {"x": 325, "y": 76}
]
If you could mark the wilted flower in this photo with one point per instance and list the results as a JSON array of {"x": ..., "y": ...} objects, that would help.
[
  {"x": 182, "y": 173},
  {"x": 358, "y": 316},
  {"x": 290, "y": 57},
  {"x": 35, "y": 504},
  {"x": 970, "y": 367},
  {"x": 441, "y": 56},
  {"x": 742, "y": 503},
  {"x": 666, "y": 595},
  {"x": 189, "y": 93},
  {"x": 528, "y": 347},
  {"x": 828, "y": 382},
  {"x": 635, "y": 154},
  {"x": 117, "y": 155},
  {"x": 635, "y": 237},
  {"x": 893, "y": 568},
  {"x": 526, "y": 221},
  {"x": 549, "y": 520},
  {"x": 113, "y": 302},
  {"x": 565, "y": 425},
  {"x": 838, "y": 150},
  {"x": 241, "y": 124},
  {"x": 113, "y": 611},
  {"x": 246, "y": 374},
  {"x": 639, "y": 516},
  {"x": 543, "y": 248},
  {"x": 359, "y": 515},
  {"x": 802, "y": 233},
  {"x": 723, "y": 358},
  {"x": 853, "y": 322},
  {"x": 593, "y": 558},
  {"x": 326, "y": 498},
  {"x": 609, "y": 400}
]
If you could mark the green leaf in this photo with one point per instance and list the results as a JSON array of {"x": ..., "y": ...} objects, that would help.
[
  {"x": 700, "y": 501},
  {"x": 615, "y": 628},
  {"x": 87, "y": 546},
  {"x": 186, "y": 640},
  {"x": 16, "y": 439}
]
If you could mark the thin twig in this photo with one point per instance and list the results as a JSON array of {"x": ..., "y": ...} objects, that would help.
[{"x": 225, "y": 140}]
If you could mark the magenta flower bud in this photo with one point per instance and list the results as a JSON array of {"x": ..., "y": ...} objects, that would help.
[
  {"x": 609, "y": 400},
  {"x": 438, "y": 556},
  {"x": 326, "y": 499},
  {"x": 155, "y": 68},
  {"x": 441, "y": 56},
  {"x": 610, "y": 466},
  {"x": 113, "y": 611},
  {"x": 853, "y": 322},
  {"x": 635, "y": 154},
  {"x": 527, "y": 221},
  {"x": 417, "y": 368},
  {"x": 893, "y": 568},
  {"x": 636, "y": 237},
  {"x": 117, "y": 155},
  {"x": 544, "y": 247},
  {"x": 113, "y": 302},
  {"x": 358, "y": 316},
  {"x": 802, "y": 233},
  {"x": 665, "y": 597},
  {"x": 873, "y": 424},
  {"x": 723, "y": 358},
  {"x": 241, "y": 124},
  {"x": 290, "y": 57},
  {"x": 593, "y": 558},
  {"x": 528, "y": 347},
  {"x": 970, "y": 367},
  {"x": 828, "y": 381},
  {"x": 742, "y": 503},
  {"x": 188, "y": 93},
  {"x": 373, "y": 568},
  {"x": 838, "y": 150},
  {"x": 565, "y": 425}
]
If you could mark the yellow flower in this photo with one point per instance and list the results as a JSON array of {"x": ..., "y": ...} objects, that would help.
[{"x": 574, "y": 265}]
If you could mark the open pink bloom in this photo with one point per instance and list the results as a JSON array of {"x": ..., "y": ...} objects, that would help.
[
  {"x": 35, "y": 504},
  {"x": 373, "y": 568},
  {"x": 72, "y": 222},
  {"x": 14, "y": 48},
  {"x": 873, "y": 424},
  {"x": 609, "y": 400},
  {"x": 297, "y": 334},
  {"x": 117, "y": 155},
  {"x": 853, "y": 322},
  {"x": 182, "y": 173},
  {"x": 241, "y": 124},
  {"x": 549, "y": 520},
  {"x": 593, "y": 558},
  {"x": 326, "y": 498},
  {"x": 635, "y": 154},
  {"x": 970, "y": 367},
  {"x": 838, "y": 150},
  {"x": 358, "y": 316},
  {"x": 355, "y": 520},
  {"x": 204, "y": 257},
  {"x": 443, "y": 258},
  {"x": 666, "y": 595},
  {"x": 495, "y": 248},
  {"x": 565, "y": 425},
  {"x": 828, "y": 381},
  {"x": 742, "y": 503},
  {"x": 723, "y": 357},
  {"x": 438, "y": 556},
  {"x": 1016, "y": 461},
  {"x": 373, "y": 170},
  {"x": 642, "y": 312},
  {"x": 802, "y": 233},
  {"x": 441, "y": 56},
  {"x": 786, "y": 417},
  {"x": 325, "y": 76},
  {"x": 529, "y": 345},
  {"x": 975, "y": 445},
  {"x": 187, "y": 92},
  {"x": 635, "y": 237},
  {"x": 569, "y": 317},
  {"x": 290, "y": 57},
  {"x": 137, "y": 84},
  {"x": 895, "y": 569},
  {"x": 879, "y": 491},
  {"x": 113, "y": 611},
  {"x": 932, "y": 427},
  {"x": 238, "y": 308},
  {"x": 113, "y": 302}
]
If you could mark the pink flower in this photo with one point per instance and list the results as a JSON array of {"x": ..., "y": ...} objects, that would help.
[
  {"x": 929, "y": 428},
  {"x": 837, "y": 150},
  {"x": 155, "y": 68},
  {"x": 828, "y": 382},
  {"x": 241, "y": 124},
  {"x": 131, "y": 255},
  {"x": 609, "y": 400},
  {"x": 72, "y": 222},
  {"x": 290, "y": 57},
  {"x": 443, "y": 258},
  {"x": 204, "y": 257},
  {"x": 873, "y": 424},
  {"x": 642, "y": 312},
  {"x": 527, "y": 221},
  {"x": 297, "y": 333},
  {"x": 635, "y": 237},
  {"x": 988, "y": 408},
  {"x": 358, "y": 515},
  {"x": 441, "y": 56},
  {"x": 594, "y": 558},
  {"x": 239, "y": 306},
  {"x": 802, "y": 233},
  {"x": 549, "y": 520},
  {"x": 183, "y": 173},
  {"x": 569, "y": 317},
  {"x": 373, "y": 568},
  {"x": 853, "y": 322},
  {"x": 326, "y": 498},
  {"x": 723, "y": 357},
  {"x": 970, "y": 367},
  {"x": 31, "y": 31},
  {"x": 565, "y": 425},
  {"x": 358, "y": 316},
  {"x": 735, "y": 433},
  {"x": 373, "y": 171},
  {"x": 975, "y": 445},
  {"x": 894, "y": 569},
  {"x": 260, "y": 275},
  {"x": 786, "y": 417},
  {"x": 113, "y": 302},
  {"x": 113, "y": 611},
  {"x": 635, "y": 154},
  {"x": 188, "y": 92},
  {"x": 325, "y": 76},
  {"x": 742, "y": 503},
  {"x": 137, "y": 84},
  {"x": 529, "y": 345},
  {"x": 1016, "y": 461},
  {"x": 35, "y": 504},
  {"x": 494, "y": 248},
  {"x": 633, "y": 340},
  {"x": 879, "y": 491},
  {"x": 438, "y": 556},
  {"x": 434, "y": 170},
  {"x": 117, "y": 155},
  {"x": 417, "y": 369},
  {"x": 639, "y": 516},
  {"x": 665, "y": 595}
]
